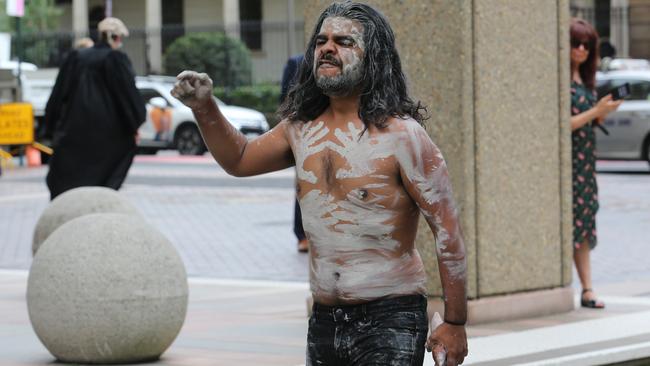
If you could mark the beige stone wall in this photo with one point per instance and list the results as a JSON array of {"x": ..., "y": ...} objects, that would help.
[
  {"x": 517, "y": 152},
  {"x": 494, "y": 76},
  {"x": 202, "y": 12},
  {"x": 639, "y": 12},
  {"x": 269, "y": 62}
]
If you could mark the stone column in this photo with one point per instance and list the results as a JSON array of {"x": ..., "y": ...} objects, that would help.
[
  {"x": 153, "y": 25},
  {"x": 80, "y": 18},
  {"x": 495, "y": 77},
  {"x": 231, "y": 17},
  {"x": 620, "y": 28}
]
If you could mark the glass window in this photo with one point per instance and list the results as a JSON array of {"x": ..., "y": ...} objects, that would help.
[
  {"x": 172, "y": 22},
  {"x": 639, "y": 90},
  {"x": 250, "y": 17},
  {"x": 147, "y": 94}
]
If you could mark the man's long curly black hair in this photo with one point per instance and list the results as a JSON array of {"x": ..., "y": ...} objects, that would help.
[{"x": 383, "y": 86}]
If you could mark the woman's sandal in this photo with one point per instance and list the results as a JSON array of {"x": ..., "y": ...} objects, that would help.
[{"x": 592, "y": 303}]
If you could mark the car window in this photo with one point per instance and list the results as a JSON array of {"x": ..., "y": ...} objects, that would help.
[
  {"x": 639, "y": 89},
  {"x": 147, "y": 94}
]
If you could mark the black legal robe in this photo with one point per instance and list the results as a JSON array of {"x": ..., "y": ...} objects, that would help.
[{"x": 92, "y": 117}]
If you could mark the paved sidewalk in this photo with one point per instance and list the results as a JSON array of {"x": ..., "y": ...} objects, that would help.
[
  {"x": 229, "y": 323},
  {"x": 246, "y": 323},
  {"x": 222, "y": 227},
  {"x": 231, "y": 229},
  {"x": 241, "y": 228}
]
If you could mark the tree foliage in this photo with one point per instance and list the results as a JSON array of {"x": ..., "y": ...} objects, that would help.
[
  {"x": 41, "y": 16},
  {"x": 40, "y": 19},
  {"x": 225, "y": 59}
]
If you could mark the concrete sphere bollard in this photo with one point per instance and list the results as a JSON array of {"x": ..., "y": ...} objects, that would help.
[
  {"x": 75, "y": 203},
  {"x": 107, "y": 288}
]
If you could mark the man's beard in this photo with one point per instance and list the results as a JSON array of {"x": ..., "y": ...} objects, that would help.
[{"x": 343, "y": 84}]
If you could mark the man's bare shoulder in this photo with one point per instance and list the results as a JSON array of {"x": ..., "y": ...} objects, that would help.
[
  {"x": 412, "y": 138},
  {"x": 294, "y": 130},
  {"x": 289, "y": 124},
  {"x": 406, "y": 128}
]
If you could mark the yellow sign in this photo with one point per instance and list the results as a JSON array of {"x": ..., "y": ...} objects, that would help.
[{"x": 16, "y": 124}]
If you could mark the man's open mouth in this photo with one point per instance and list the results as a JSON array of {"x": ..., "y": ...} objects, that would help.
[{"x": 328, "y": 63}]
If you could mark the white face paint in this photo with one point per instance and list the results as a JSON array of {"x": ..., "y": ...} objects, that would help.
[
  {"x": 341, "y": 25},
  {"x": 355, "y": 255},
  {"x": 338, "y": 66}
]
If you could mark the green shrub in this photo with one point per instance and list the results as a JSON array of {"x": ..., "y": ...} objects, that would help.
[
  {"x": 262, "y": 97},
  {"x": 38, "y": 51},
  {"x": 225, "y": 59}
]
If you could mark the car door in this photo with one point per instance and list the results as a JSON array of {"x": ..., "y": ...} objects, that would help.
[
  {"x": 638, "y": 109},
  {"x": 628, "y": 126}
]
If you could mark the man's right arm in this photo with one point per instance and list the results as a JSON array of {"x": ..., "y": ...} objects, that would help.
[{"x": 232, "y": 150}]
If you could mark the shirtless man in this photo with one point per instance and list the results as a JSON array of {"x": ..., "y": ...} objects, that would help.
[{"x": 365, "y": 170}]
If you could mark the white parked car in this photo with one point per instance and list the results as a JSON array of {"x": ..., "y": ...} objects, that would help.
[
  {"x": 182, "y": 133},
  {"x": 614, "y": 64},
  {"x": 629, "y": 126},
  {"x": 13, "y": 65}
]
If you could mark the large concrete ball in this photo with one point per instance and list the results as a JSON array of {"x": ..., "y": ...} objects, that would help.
[
  {"x": 75, "y": 203},
  {"x": 107, "y": 288}
]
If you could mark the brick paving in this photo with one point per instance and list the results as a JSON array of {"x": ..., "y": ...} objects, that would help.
[
  {"x": 231, "y": 228},
  {"x": 225, "y": 227},
  {"x": 622, "y": 222}
]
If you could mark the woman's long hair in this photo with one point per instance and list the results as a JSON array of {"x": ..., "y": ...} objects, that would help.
[
  {"x": 581, "y": 31},
  {"x": 383, "y": 85}
]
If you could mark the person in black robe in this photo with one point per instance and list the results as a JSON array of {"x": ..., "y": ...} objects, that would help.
[{"x": 93, "y": 115}]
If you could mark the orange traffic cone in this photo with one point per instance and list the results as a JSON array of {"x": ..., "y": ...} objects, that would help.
[{"x": 33, "y": 156}]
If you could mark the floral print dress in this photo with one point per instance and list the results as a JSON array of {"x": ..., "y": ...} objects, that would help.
[{"x": 585, "y": 189}]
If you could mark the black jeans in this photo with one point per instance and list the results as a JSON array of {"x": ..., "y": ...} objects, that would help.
[{"x": 382, "y": 332}]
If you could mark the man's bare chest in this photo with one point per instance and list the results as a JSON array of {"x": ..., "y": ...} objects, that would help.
[{"x": 344, "y": 162}]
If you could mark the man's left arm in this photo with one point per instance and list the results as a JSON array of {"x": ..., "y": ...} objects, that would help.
[{"x": 426, "y": 179}]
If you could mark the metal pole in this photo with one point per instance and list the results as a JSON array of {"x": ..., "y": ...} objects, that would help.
[
  {"x": 291, "y": 27},
  {"x": 19, "y": 46},
  {"x": 109, "y": 8}
]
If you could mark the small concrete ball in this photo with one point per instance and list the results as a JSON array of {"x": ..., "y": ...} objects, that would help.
[
  {"x": 107, "y": 288},
  {"x": 75, "y": 203}
]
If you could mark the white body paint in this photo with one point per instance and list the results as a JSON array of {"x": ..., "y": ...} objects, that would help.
[{"x": 354, "y": 255}]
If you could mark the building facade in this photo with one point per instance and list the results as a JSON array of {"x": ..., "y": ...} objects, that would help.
[
  {"x": 625, "y": 23},
  {"x": 273, "y": 30}
]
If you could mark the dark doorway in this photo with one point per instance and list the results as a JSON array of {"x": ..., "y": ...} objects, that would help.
[
  {"x": 95, "y": 15},
  {"x": 603, "y": 9},
  {"x": 250, "y": 16},
  {"x": 172, "y": 22}
]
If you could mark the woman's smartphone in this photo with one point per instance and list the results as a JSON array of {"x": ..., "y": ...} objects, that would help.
[{"x": 620, "y": 92}]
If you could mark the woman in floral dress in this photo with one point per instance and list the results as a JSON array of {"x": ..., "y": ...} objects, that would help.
[{"x": 585, "y": 114}]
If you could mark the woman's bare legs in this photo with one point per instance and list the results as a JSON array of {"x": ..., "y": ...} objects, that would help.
[{"x": 582, "y": 260}]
